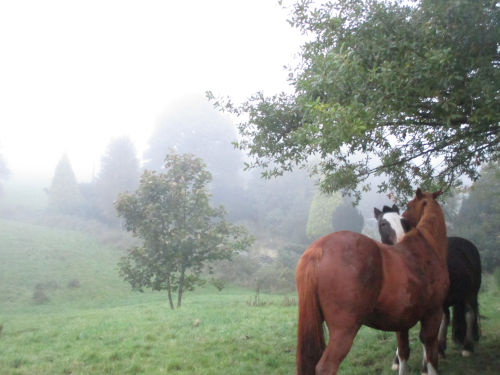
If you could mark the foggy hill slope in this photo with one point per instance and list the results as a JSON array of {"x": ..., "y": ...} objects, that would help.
[{"x": 46, "y": 266}]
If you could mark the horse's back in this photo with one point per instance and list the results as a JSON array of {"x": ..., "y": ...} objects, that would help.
[
  {"x": 467, "y": 250},
  {"x": 464, "y": 266}
]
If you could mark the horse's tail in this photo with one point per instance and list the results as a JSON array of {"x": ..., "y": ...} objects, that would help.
[
  {"x": 310, "y": 336},
  {"x": 460, "y": 322}
]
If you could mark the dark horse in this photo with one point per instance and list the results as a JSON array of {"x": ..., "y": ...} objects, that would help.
[
  {"x": 347, "y": 280},
  {"x": 464, "y": 267}
]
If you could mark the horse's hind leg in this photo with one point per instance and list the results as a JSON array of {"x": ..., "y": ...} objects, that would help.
[
  {"x": 472, "y": 330},
  {"x": 403, "y": 352},
  {"x": 339, "y": 344},
  {"x": 443, "y": 331},
  {"x": 458, "y": 323}
]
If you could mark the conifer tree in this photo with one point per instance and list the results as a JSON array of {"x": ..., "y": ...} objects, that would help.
[{"x": 64, "y": 193}]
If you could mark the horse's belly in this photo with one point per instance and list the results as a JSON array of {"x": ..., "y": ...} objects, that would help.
[
  {"x": 389, "y": 322},
  {"x": 400, "y": 305}
]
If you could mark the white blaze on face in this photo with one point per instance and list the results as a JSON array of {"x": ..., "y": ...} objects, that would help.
[{"x": 394, "y": 221}]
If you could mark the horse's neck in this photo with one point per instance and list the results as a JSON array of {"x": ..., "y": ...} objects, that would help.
[{"x": 432, "y": 227}]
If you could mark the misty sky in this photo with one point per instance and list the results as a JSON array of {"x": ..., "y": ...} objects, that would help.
[{"x": 74, "y": 74}]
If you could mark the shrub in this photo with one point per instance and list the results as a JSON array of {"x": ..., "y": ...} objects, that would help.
[
  {"x": 73, "y": 283},
  {"x": 218, "y": 283},
  {"x": 39, "y": 296}
]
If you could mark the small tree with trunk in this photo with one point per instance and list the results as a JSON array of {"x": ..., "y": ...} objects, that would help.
[{"x": 181, "y": 232}]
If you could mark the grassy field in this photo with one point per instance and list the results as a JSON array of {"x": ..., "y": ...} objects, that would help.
[{"x": 96, "y": 325}]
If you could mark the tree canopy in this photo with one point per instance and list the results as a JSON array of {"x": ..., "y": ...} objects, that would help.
[
  {"x": 406, "y": 90},
  {"x": 181, "y": 232},
  {"x": 120, "y": 172},
  {"x": 347, "y": 217},
  {"x": 479, "y": 216},
  {"x": 195, "y": 127},
  {"x": 319, "y": 222}
]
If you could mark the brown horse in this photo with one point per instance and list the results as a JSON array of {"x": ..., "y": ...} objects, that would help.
[{"x": 347, "y": 280}]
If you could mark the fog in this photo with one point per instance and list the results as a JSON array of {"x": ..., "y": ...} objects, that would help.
[
  {"x": 92, "y": 93},
  {"x": 76, "y": 74}
]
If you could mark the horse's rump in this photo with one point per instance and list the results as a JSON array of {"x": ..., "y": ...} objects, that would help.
[
  {"x": 464, "y": 266},
  {"x": 338, "y": 279}
]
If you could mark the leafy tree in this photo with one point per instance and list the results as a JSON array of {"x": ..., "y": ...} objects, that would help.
[
  {"x": 347, "y": 217},
  {"x": 181, "y": 232},
  {"x": 322, "y": 208},
  {"x": 119, "y": 173},
  {"x": 405, "y": 90},
  {"x": 479, "y": 216},
  {"x": 64, "y": 193}
]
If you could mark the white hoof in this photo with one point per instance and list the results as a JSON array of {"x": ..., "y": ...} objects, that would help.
[
  {"x": 395, "y": 367},
  {"x": 466, "y": 353}
]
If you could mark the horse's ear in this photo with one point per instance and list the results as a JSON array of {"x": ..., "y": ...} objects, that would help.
[
  {"x": 386, "y": 209},
  {"x": 377, "y": 212},
  {"x": 395, "y": 209},
  {"x": 437, "y": 194},
  {"x": 419, "y": 194}
]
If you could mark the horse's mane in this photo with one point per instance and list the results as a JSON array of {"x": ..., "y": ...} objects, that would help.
[{"x": 431, "y": 226}]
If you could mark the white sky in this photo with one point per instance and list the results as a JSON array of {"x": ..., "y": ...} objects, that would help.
[{"x": 74, "y": 74}]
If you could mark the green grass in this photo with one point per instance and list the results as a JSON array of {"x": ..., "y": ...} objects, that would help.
[{"x": 104, "y": 328}]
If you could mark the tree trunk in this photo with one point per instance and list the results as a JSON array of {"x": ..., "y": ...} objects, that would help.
[
  {"x": 169, "y": 289},
  {"x": 181, "y": 287}
]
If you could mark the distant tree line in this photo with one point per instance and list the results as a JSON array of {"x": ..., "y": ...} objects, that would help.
[
  {"x": 284, "y": 214},
  {"x": 478, "y": 216},
  {"x": 120, "y": 170}
]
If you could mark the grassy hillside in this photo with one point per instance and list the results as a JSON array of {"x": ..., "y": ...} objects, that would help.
[
  {"x": 68, "y": 267},
  {"x": 101, "y": 327}
]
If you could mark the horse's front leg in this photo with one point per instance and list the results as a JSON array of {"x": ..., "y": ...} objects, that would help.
[
  {"x": 403, "y": 352},
  {"x": 443, "y": 331},
  {"x": 429, "y": 338}
]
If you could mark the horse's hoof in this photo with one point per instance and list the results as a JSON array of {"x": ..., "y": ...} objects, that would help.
[
  {"x": 395, "y": 367},
  {"x": 466, "y": 353}
]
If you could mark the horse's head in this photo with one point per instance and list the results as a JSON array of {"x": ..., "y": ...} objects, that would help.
[
  {"x": 391, "y": 225},
  {"x": 417, "y": 205}
]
